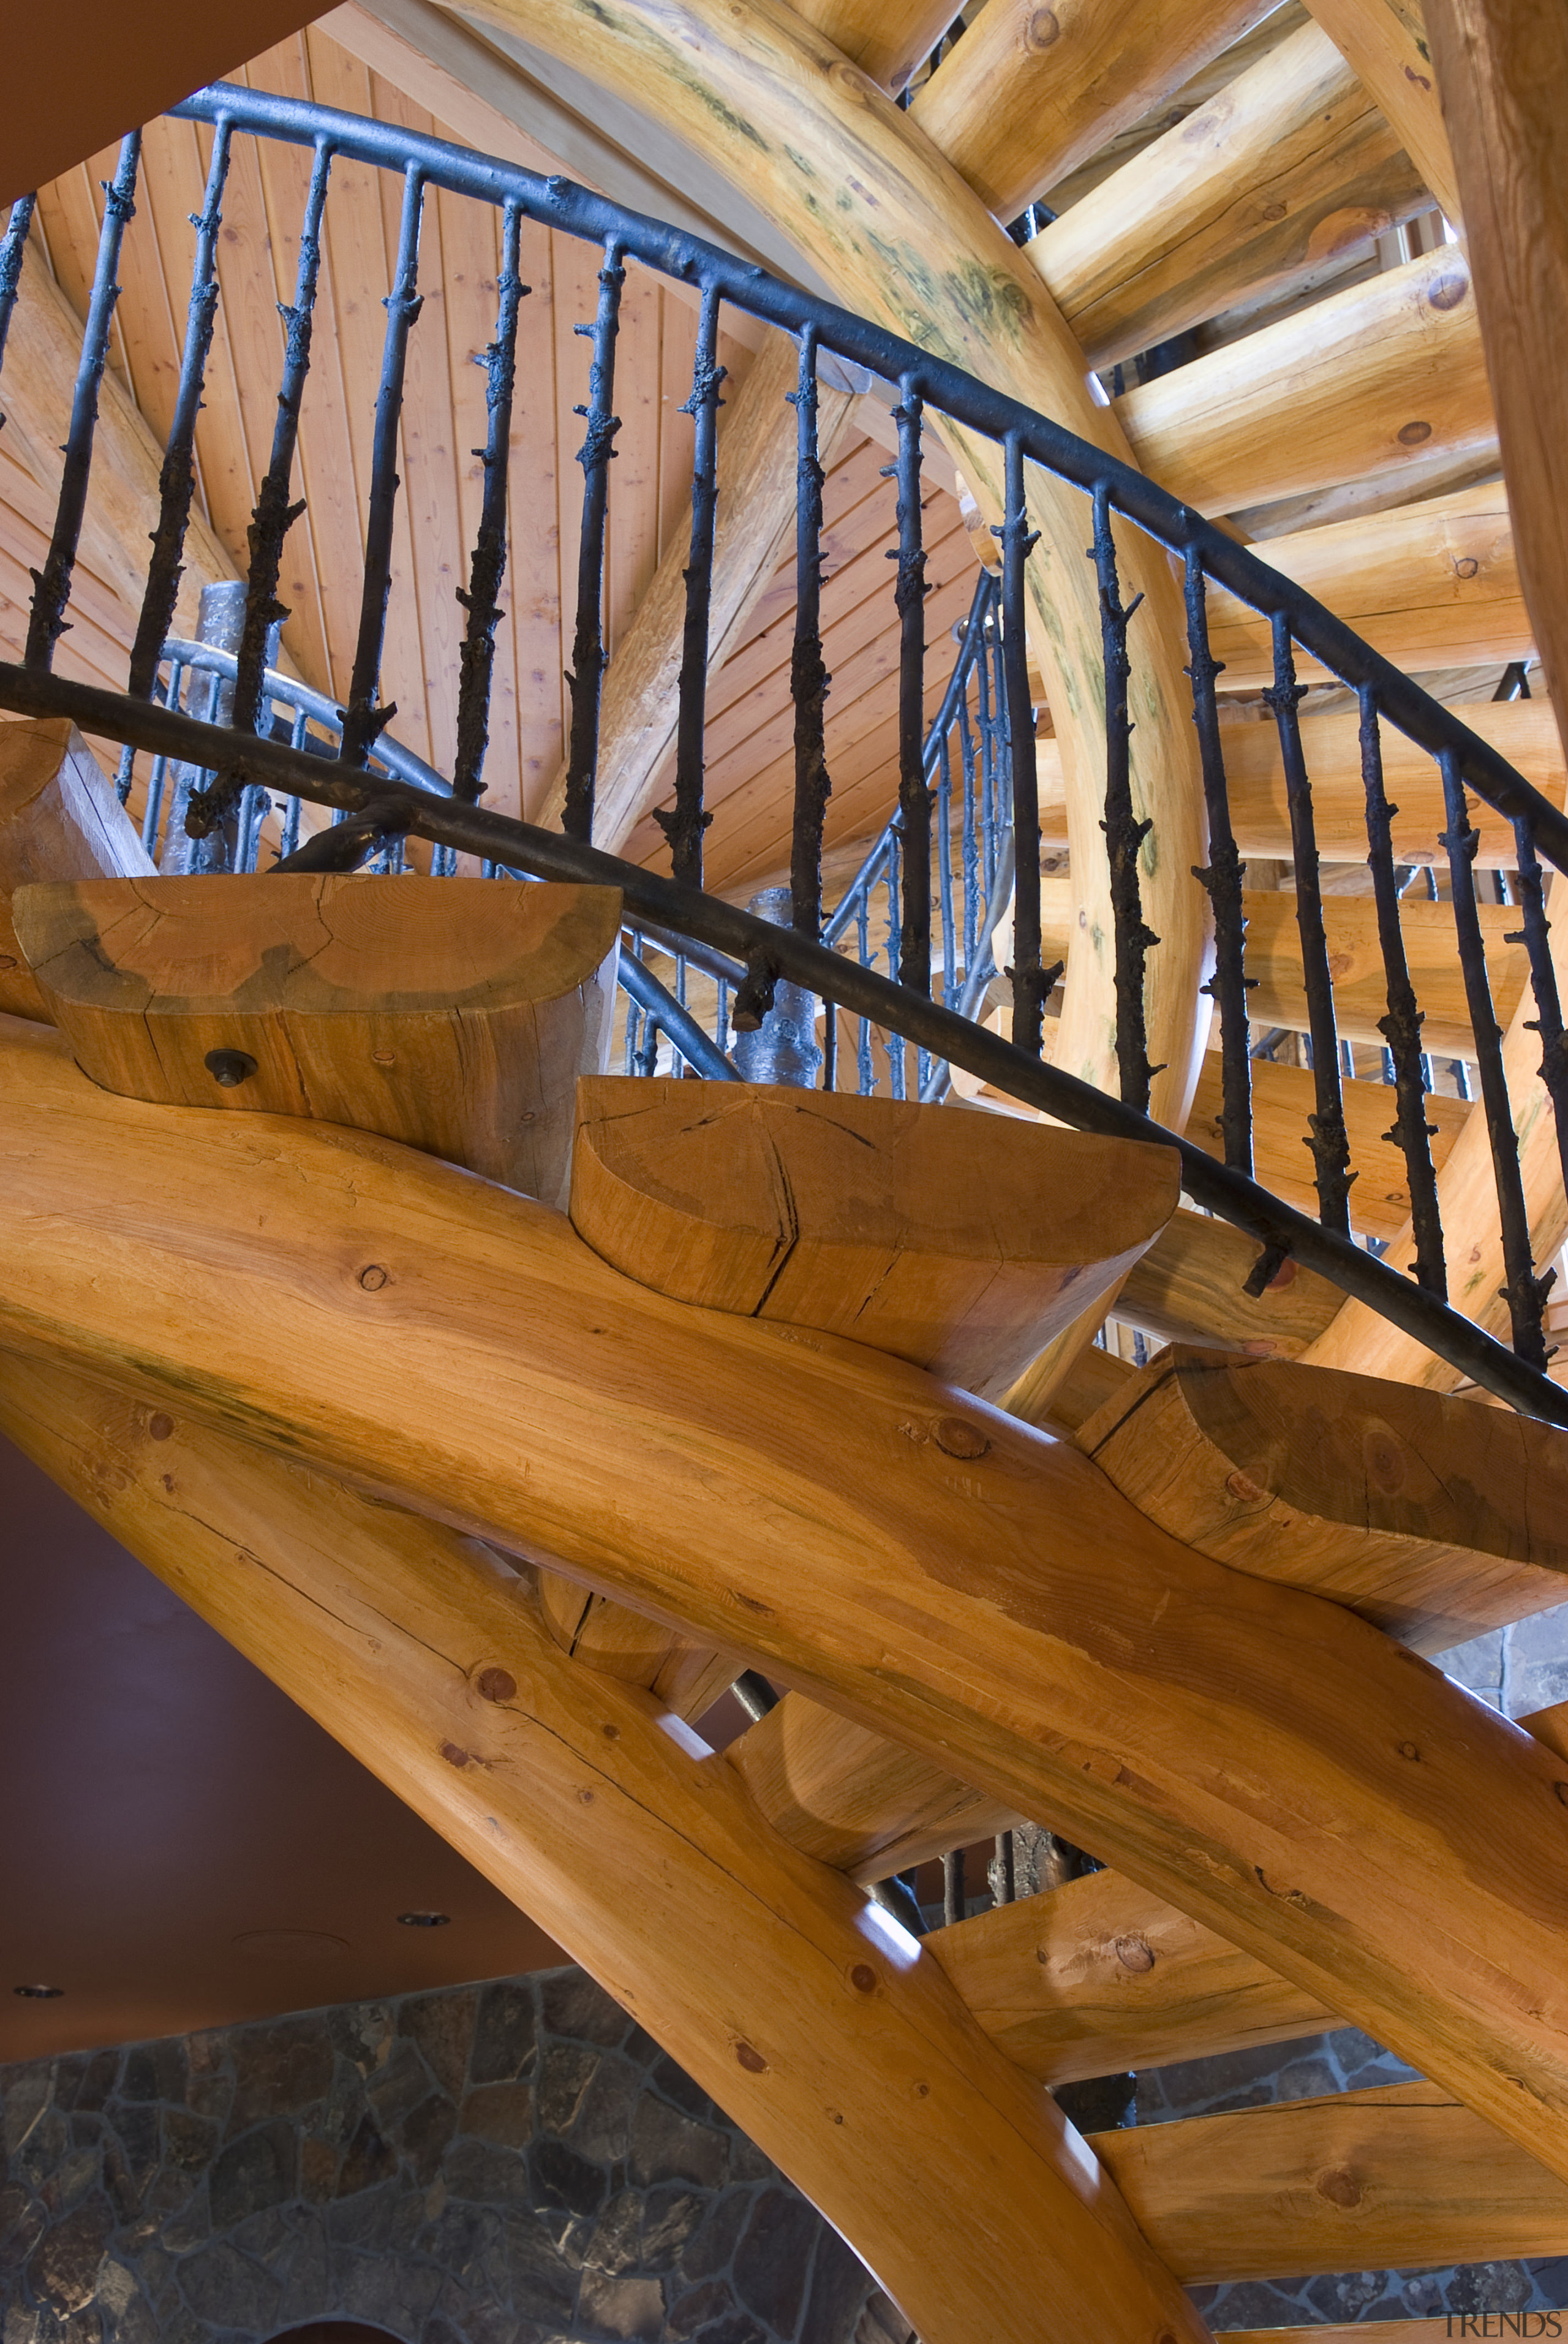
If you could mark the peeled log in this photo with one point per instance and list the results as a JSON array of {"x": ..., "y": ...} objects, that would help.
[
  {"x": 903, "y": 241},
  {"x": 1287, "y": 167},
  {"x": 906, "y": 1554},
  {"x": 842, "y": 2051},
  {"x": 59, "y": 819},
  {"x": 1384, "y": 42},
  {"x": 1029, "y": 93},
  {"x": 1386, "y": 374},
  {"x": 1430, "y": 585}
]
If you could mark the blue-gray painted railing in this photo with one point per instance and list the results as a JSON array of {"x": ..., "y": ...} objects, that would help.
[{"x": 378, "y": 806}]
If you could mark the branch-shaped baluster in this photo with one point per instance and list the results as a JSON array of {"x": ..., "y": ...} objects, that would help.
[
  {"x": 945, "y": 869},
  {"x": 595, "y": 456},
  {"x": 1402, "y": 1027},
  {"x": 52, "y": 585},
  {"x": 13, "y": 249},
  {"x": 1124, "y": 834},
  {"x": 1031, "y": 981},
  {"x": 971, "y": 844},
  {"x": 176, "y": 480},
  {"x": 1329, "y": 1144},
  {"x": 909, "y": 599},
  {"x": 1220, "y": 879},
  {"x": 684, "y": 825},
  {"x": 1524, "y": 1292},
  {"x": 808, "y": 676},
  {"x": 273, "y": 516},
  {"x": 363, "y": 721},
  {"x": 489, "y": 563},
  {"x": 1536, "y": 937}
]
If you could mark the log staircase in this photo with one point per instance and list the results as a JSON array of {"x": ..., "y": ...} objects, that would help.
[{"x": 506, "y": 1411}]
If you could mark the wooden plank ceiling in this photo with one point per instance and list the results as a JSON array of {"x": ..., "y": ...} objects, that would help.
[{"x": 444, "y": 422}]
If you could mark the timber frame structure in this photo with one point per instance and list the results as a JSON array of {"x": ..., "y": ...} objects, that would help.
[{"x": 1051, "y": 1311}]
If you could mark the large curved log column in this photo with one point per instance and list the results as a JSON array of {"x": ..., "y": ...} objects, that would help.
[
  {"x": 903, "y": 240},
  {"x": 1269, "y": 1763},
  {"x": 825, "y": 2031}
]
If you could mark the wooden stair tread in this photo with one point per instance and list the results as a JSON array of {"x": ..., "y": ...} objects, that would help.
[
  {"x": 962, "y": 1243},
  {"x": 454, "y": 1014},
  {"x": 59, "y": 819},
  {"x": 1398, "y": 2177},
  {"x": 1098, "y": 1975},
  {"x": 1189, "y": 1287},
  {"x": 1435, "y": 1517}
]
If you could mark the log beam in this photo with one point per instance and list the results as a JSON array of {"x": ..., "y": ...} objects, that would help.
[
  {"x": 1398, "y": 2177},
  {"x": 1190, "y": 1287},
  {"x": 900, "y": 1550},
  {"x": 1380, "y": 377},
  {"x": 1437, "y": 1518},
  {"x": 1288, "y": 166},
  {"x": 1503, "y": 70},
  {"x": 1029, "y": 93},
  {"x": 904, "y": 242},
  {"x": 1430, "y": 585},
  {"x": 1385, "y": 45},
  {"x": 1097, "y": 1976},
  {"x": 843, "y": 2052}
]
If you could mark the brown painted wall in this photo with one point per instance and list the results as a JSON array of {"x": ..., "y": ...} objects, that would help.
[{"x": 72, "y": 84}]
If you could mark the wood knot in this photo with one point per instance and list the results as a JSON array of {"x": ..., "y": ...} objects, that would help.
[
  {"x": 496, "y": 1684},
  {"x": 8, "y": 960},
  {"x": 1246, "y": 1492},
  {"x": 751, "y": 2060},
  {"x": 1408, "y": 1749},
  {"x": 383, "y": 1057},
  {"x": 1340, "y": 2187},
  {"x": 956, "y": 1438},
  {"x": 1272, "y": 212},
  {"x": 160, "y": 1427},
  {"x": 1446, "y": 292},
  {"x": 1134, "y": 1953},
  {"x": 751, "y": 1603},
  {"x": 455, "y": 1755},
  {"x": 1387, "y": 1464},
  {"x": 1561, "y": 1790},
  {"x": 1041, "y": 31},
  {"x": 373, "y": 1278},
  {"x": 1411, "y": 435},
  {"x": 863, "y": 1978},
  {"x": 1466, "y": 568}
]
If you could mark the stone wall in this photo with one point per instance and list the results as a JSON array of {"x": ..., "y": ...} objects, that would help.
[{"x": 515, "y": 2163}]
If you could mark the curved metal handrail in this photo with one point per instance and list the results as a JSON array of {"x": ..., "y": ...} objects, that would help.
[{"x": 558, "y": 202}]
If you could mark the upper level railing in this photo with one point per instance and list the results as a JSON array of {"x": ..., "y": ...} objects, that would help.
[{"x": 374, "y": 807}]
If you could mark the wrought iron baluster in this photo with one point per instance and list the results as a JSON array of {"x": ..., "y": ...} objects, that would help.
[
  {"x": 176, "y": 481},
  {"x": 1401, "y": 1027},
  {"x": 46, "y": 620},
  {"x": 477, "y": 657},
  {"x": 1329, "y": 1145},
  {"x": 1536, "y": 937},
  {"x": 684, "y": 825},
  {"x": 13, "y": 250},
  {"x": 1124, "y": 834},
  {"x": 273, "y": 516},
  {"x": 945, "y": 870},
  {"x": 1524, "y": 1292},
  {"x": 970, "y": 832},
  {"x": 1220, "y": 879},
  {"x": 595, "y": 455},
  {"x": 1031, "y": 981},
  {"x": 363, "y": 721},
  {"x": 895, "y": 957},
  {"x": 865, "y": 1070},
  {"x": 808, "y": 676},
  {"x": 910, "y": 600}
]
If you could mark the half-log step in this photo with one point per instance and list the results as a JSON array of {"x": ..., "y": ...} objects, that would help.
[
  {"x": 1437, "y": 1518},
  {"x": 1401, "y": 2177},
  {"x": 59, "y": 819},
  {"x": 454, "y": 1015},
  {"x": 960, "y": 1242}
]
